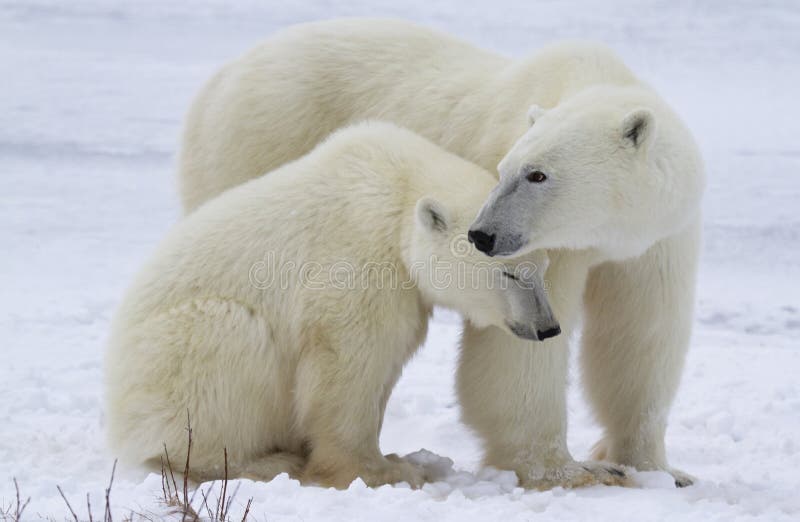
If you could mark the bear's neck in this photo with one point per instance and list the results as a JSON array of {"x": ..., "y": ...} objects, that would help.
[{"x": 566, "y": 279}]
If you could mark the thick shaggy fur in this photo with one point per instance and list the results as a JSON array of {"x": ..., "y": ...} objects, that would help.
[
  {"x": 276, "y": 102},
  {"x": 280, "y": 314}
]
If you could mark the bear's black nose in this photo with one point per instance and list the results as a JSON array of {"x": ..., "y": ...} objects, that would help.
[
  {"x": 483, "y": 241},
  {"x": 547, "y": 334}
]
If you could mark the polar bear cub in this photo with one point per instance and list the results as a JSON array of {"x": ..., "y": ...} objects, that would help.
[{"x": 279, "y": 315}]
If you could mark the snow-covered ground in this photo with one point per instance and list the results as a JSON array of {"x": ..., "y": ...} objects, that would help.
[{"x": 92, "y": 94}]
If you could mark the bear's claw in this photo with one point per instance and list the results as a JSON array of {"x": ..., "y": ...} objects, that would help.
[
  {"x": 682, "y": 480},
  {"x": 578, "y": 474}
]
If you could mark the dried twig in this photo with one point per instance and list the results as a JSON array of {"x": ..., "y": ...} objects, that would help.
[
  {"x": 171, "y": 474},
  {"x": 221, "y": 505},
  {"x": 247, "y": 509},
  {"x": 186, "y": 468},
  {"x": 164, "y": 481},
  {"x": 19, "y": 508},
  {"x": 107, "y": 516},
  {"x": 191, "y": 503},
  {"x": 205, "y": 502},
  {"x": 89, "y": 508},
  {"x": 230, "y": 499},
  {"x": 13, "y": 512},
  {"x": 67, "y": 503}
]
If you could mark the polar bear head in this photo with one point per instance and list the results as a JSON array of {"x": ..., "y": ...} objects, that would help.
[
  {"x": 611, "y": 169},
  {"x": 450, "y": 272}
]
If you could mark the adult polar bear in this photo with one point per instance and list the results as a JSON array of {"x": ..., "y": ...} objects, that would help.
[{"x": 276, "y": 102}]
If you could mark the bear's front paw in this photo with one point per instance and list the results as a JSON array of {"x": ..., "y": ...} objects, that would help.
[
  {"x": 575, "y": 475},
  {"x": 682, "y": 479},
  {"x": 641, "y": 462}
]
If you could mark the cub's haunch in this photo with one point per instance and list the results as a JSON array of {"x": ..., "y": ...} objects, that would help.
[{"x": 280, "y": 314}]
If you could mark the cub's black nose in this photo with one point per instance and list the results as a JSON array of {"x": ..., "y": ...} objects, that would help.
[
  {"x": 547, "y": 334},
  {"x": 483, "y": 241}
]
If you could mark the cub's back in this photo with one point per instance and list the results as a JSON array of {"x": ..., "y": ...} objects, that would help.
[{"x": 346, "y": 201}]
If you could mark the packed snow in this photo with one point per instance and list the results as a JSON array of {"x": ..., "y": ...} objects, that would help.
[{"x": 92, "y": 94}]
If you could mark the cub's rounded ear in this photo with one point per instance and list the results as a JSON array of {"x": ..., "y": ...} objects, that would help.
[
  {"x": 534, "y": 113},
  {"x": 639, "y": 128},
  {"x": 432, "y": 215}
]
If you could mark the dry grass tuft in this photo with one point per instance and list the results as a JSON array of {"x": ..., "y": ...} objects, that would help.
[
  {"x": 178, "y": 499},
  {"x": 106, "y": 511},
  {"x": 13, "y": 512}
]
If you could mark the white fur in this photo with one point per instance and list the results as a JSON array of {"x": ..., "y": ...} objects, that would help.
[
  {"x": 274, "y": 103},
  {"x": 613, "y": 182},
  {"x": 293, "y": 373}
]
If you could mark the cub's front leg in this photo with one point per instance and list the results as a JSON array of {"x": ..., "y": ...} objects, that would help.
[{"x": 340, "y": 398}]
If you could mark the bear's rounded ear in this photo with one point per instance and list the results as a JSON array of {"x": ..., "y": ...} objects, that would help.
[
  {"x": 534, "y": 113},
  {"x": 432, "y": 215},
  {"x": 638, "y": 128}
]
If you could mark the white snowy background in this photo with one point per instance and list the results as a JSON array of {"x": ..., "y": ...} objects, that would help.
[{"x": 92, "y": 94}]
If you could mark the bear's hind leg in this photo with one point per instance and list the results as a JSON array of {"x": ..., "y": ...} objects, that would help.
[
  {"x": 205, "y": 363},
  {"x": 273, "y": 464}
]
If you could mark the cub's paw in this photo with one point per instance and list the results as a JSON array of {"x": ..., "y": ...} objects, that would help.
[
  {"x": 374, "y": 472},
  {"x": 393, "y": 470},
  {"x": 577, "y": 475}
]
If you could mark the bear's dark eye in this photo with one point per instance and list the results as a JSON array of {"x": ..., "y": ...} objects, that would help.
[{"x": 535, "y": 176}]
